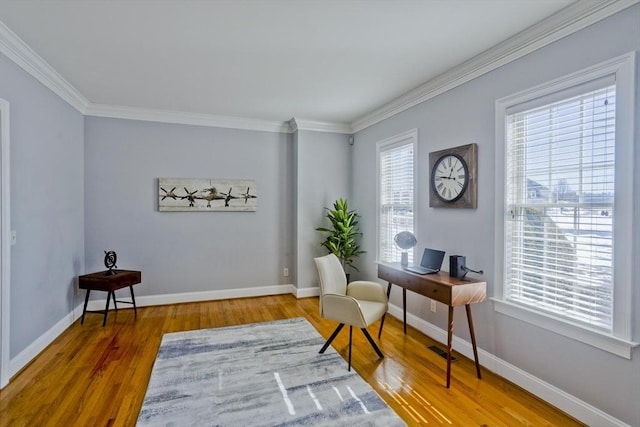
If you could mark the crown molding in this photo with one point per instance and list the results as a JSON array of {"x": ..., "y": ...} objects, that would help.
[
  {"x": 293, "y": 126},
  {"x": 316, "y": 126},
  {"x": 567, "y": 21},
  {"x": 185, "y": 118},
  {"x": 14, "y": 48}
]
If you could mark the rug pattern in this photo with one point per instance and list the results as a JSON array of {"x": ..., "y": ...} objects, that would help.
[{"x": 262, "y": 374}]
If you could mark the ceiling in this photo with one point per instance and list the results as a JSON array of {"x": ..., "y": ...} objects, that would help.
[{"x": 318, "y": 60}]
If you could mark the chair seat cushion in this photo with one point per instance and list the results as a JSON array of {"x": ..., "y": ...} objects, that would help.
[{"x": 371, "y": 311}]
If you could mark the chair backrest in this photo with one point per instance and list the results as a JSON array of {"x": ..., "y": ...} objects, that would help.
[{"x": 332, "y": 277}]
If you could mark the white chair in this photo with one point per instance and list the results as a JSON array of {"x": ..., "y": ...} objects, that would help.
[{"x": 359, "y": 303}]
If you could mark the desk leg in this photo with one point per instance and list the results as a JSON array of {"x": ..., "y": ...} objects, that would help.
[
  {"x": 449, "y": 345},
  {"x": 86, "y": 300},
  {"x": 383, "y": 316},
  {"x": 473, "y": 339},
  {"x": 115, "y": 303},
  {"x": 106, "y": 309},
  {"x": 133, "y": 299},
  {"x": 404, "y": 308}
]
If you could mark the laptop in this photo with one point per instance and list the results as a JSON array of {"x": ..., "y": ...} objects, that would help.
[{"x": 430, "y": 263}]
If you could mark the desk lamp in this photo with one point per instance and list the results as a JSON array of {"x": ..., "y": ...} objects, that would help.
[{"x": 405, "y": 240}]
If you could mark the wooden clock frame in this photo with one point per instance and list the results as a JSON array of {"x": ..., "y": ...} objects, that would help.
[{"x": 469, "y": 199}]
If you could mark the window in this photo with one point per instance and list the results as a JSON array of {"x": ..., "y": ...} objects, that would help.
[
  {"x": 565, "y": 219},
  {"x": 396, "y": 184}
]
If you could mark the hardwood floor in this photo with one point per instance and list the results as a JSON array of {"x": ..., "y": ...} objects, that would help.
[{"x": 95, "y": 376}]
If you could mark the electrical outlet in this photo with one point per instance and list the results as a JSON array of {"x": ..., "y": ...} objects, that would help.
[
  {"x": 285, "y": 272},
  {"x": 433, "y": 306}
]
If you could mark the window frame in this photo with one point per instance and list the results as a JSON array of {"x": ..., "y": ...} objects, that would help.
[
  {"x": 619, "y": 342},
  {"x": 409, "y": 137}
]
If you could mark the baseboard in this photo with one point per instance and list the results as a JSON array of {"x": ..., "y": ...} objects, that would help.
[
  {"x": 26, "y": 355},
  {"x": 562, "y": 400},
  {"x": 307, "y": 292},
  {"x": 151, "y": 300},
  {"x": 556, "y": 397},
  {"x": 164, "y": 299}
]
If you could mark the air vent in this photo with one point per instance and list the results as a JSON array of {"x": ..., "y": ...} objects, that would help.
[{"x": 437, "y": 350}]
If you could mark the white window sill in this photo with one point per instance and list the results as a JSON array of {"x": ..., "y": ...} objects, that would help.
[{"x": 609, "y": 343}]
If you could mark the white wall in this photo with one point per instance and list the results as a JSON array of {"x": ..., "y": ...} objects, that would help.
[
  {"x": 180, "y": 252},
  {"x": 47, "y": 205},
  {"x": 465, "y": 115}
]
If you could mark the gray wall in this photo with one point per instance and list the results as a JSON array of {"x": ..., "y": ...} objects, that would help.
[
  {"x": 465, "y": 115},
  {"x": 47, "y": 203},
  {"x": 323, "y": 163},
  {"x": 109, "y": 184},
  {"x": 181, "y": 252}
]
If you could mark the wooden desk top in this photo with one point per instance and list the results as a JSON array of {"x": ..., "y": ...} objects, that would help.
[
  {"x": 438, "y": 286},
  {"x": 101, "y": 281}
]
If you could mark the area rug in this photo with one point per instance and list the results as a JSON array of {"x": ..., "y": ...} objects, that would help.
[{"x": 262, "y": 374}]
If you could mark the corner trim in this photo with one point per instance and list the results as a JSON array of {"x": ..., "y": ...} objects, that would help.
[
  {"x": 185, "y": 118},
  {"x": 569, "y": 20},
  {"x": 5, "y": 245},
  {"x": 566, "y": 402},
  {"x": 19, "y": 52},
  {"x": 316, "y": 126}
]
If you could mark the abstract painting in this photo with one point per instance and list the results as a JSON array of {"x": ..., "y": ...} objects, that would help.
[{"x": 194, "y": 194}]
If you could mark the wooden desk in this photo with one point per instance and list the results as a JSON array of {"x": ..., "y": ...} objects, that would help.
[
  {"x": 102, "y": 281},
  {"x": 440, "y": 287}
]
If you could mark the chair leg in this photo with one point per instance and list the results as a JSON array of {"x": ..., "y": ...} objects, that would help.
[
  {"x": 381, "y": 325},
  {"x": 350, "y": 334},
  {"x": 332, "y": 337},
  {"x": 373, "y": 344}
]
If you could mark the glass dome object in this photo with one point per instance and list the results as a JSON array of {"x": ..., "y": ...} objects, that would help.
[{"x": 405, "y": 240}]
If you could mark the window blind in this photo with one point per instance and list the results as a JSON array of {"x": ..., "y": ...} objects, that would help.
[
  {"x": 396, "y": 197},
  {"x": 560, "y": 198}
]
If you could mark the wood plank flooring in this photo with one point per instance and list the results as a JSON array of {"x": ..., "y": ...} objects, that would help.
[{"x": 95, "y": 376}]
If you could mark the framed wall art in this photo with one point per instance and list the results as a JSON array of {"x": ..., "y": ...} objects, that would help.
[{"x": 195, "y": 194}]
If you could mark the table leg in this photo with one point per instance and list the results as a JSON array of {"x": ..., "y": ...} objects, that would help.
[
  {"x": 84, "y": 310},
  {"x": 404, "y": 308},
  {"x": 449, "y": 345},
  {"x": 115, "y": 303},
  {"x": 135, "y": 310},
  {"x": 106, "y": 309},
  {"x": 473, "y": 339},
  {"x": 383, "y": 316}
]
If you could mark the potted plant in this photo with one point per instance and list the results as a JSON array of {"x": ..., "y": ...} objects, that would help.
[{"x": 341, "y": 240}]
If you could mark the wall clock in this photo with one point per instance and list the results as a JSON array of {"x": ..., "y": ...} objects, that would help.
[{"x": 453, "y": 181}]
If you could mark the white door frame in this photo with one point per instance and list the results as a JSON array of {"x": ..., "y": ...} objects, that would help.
[{"x": 5, "y": 243}]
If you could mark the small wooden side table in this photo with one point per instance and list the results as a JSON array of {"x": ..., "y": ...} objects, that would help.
[{"x": 109, "y": 281}]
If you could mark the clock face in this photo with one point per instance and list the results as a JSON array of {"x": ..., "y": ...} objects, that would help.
[{"x": 449, "y": 177}]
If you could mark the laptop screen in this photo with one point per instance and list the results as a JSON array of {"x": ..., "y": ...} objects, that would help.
[{"x": 432, "y": 258}]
